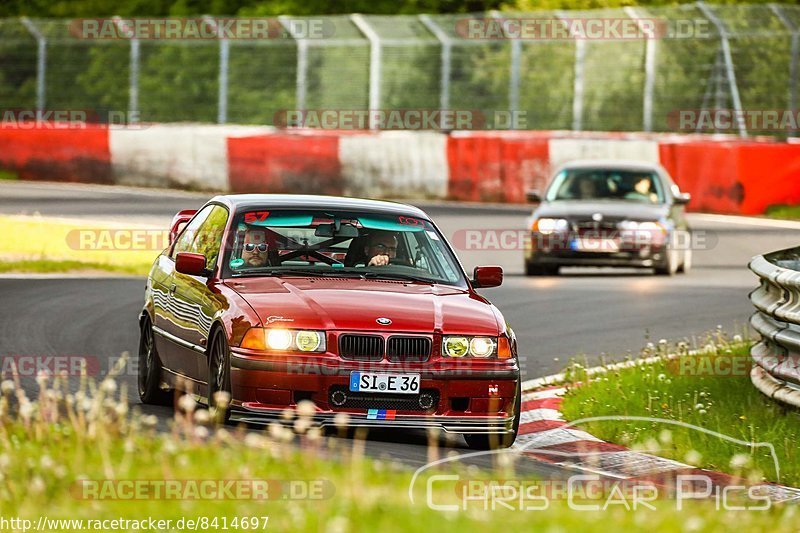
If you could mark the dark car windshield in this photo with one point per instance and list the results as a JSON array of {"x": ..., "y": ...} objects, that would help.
[
  {"x": 267, "y": 242},
  {"x": 607, "y": 184}
]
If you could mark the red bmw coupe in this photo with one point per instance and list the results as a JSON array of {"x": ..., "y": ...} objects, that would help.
[{"x": 360, "y": 306}]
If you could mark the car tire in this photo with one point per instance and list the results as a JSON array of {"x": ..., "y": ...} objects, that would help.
[
  {"x": 670, "y": 264},
  {"x": 219, "y": 371},
  {"x": 532, "y": 269},
  {"x": 482, "y": 441},
  {"x": 149, "y": 373},
  {"x": 686, "y": 264}
]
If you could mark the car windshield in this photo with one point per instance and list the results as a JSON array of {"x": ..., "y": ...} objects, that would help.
[
  {"x": 316, "y": 243},
  {"x": 606, "y": 184}
]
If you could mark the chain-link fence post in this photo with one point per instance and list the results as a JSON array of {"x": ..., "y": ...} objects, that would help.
[
  {"x": 578, "y": 80},
  {"x": 224, "y": 55},
  {"x": 133, "y": 71},
  {"x": 795, "y": 50},
  {"x": 41, "y": 62},
  {"x": 513, "y": 71},
  {"x": 729, "y": 70},
  {"x": 374, "y": 67},
  {"x": 446, "y": 60},
  {"x": 649, "y": 72},
  {"x": 301, "y": 89}
]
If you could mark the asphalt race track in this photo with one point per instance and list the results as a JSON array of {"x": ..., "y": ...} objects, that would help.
[{"x": 583, "y": 311}]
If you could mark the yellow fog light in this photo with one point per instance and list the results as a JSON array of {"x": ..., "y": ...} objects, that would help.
[
  {"x": 455, "y": 346},
  {"x": 279, "y": 339},
  {"x": 481, "y": 346},
  {"x": 308, "y": 341}
]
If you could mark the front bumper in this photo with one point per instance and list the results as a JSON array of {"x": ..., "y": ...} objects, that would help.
[
  {"x": 627, "y": 255},
  {"x": 479, "y": 398},
  {"x": 491, "y": 425}
]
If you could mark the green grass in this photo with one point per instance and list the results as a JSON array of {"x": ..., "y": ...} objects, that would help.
[
  {"x": 45, "y": 266},
  {"x": 50, "y": 444},
  {"x": 42, "y": 244},
  {"x": 8, "y": 175},
  {"x": 697, "y": 390},
  {"x": 789, "y": 212}
]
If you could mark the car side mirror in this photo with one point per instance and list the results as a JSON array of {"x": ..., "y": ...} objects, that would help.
[
  {"x": 177, "y": 223},
  {"x": 485, "y": 277},
  {"x": 533, "y": 196},
  {"x": 683, "y": 198},
  {"x": 191, "y": 264}
]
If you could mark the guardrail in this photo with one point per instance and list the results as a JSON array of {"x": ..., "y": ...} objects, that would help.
[{"x": 776, "y": 357}]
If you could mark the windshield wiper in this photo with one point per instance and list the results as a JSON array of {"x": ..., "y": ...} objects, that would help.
[
  {"x": 396, "y": 276},
  {"x": 293, "y": 272}
]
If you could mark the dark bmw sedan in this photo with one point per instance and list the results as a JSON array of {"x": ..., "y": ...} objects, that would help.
[{"x": 609, "y": 213}]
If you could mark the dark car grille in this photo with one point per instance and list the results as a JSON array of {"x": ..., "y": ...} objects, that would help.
[
  {"x": 396, "y": 402},
  {"x": 413, "y": 349},
  {"x": 361, "y": 347},
  {"x": 591, "y": 225}
]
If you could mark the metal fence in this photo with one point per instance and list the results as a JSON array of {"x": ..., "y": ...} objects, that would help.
[
  {"x": 776, "y": 371},
  {"x": 736, "y": 57}
]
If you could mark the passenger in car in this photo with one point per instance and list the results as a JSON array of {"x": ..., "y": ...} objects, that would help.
[
  {"x": 642, "y": 190},
  {"x": 381, "y": 249}
]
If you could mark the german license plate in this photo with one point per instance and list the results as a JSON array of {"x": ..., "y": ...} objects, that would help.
[
  {"x": 385, "y": 383},
  {"x": 588, "y": 244}
]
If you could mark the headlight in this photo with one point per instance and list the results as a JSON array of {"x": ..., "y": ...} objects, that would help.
[
  {"x": 546, "y": 226},
  {"x": 481, "y": 346},
  {"x": 308, "y": 341},
  {"x": 282, "y": 340},
  {"x": 455, "y": 346},
  {"x": 474, "y": 346},
  {"x": 632, "y": 225},
  {"x": 279, "y": 339}
]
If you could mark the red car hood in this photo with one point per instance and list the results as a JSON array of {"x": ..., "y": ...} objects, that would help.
[{"x": 353, "y": 304}]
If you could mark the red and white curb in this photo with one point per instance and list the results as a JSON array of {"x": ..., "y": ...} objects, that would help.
[{"x": 544, "y": 435}]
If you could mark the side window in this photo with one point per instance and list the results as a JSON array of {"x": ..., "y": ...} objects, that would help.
[
  {"x": 184, "y": 242},
  {"x": 209, "y": 235}
]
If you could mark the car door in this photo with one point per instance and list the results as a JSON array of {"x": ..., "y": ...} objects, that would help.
[
  {"x": 193, "y": 300},
  {"x": 169, "y": 318}
]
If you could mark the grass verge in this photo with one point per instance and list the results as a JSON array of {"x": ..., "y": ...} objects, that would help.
[
  {"x": 711, "y": 390},
  {"x": 789, "y": 212},
  {"x": 42, "y": 245},
  {"x": 55, "y": 446}
]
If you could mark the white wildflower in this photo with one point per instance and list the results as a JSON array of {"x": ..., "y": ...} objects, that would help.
[
  {"x": 740, "y": 460},
  {"x": 7, "y": 387},
  {"x": 187, "y": 403},
  {"x": 693, "y": 457},
  {"x": 202, "y": 416},
  {"x": 306, "y": 408}
]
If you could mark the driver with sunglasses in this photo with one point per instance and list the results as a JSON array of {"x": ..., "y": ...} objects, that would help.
[{"x": 254, "y": 250}]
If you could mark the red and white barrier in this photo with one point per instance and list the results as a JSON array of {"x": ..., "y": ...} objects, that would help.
[
  {"x": 723, "y": 175},
  {"x": 187, "y": 156}
]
